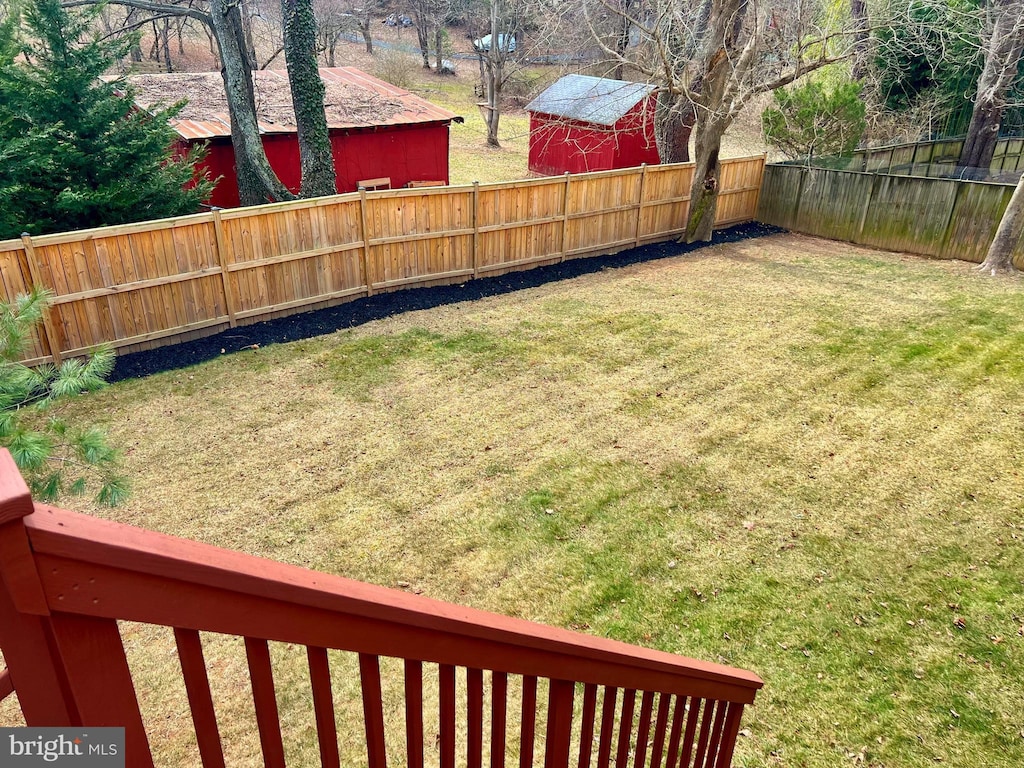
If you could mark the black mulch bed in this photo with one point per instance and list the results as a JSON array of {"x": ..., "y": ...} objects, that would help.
[{"x": 308, "y": 324}]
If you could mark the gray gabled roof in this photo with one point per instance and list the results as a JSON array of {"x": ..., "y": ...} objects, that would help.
[{"x": 590, "y": 99}]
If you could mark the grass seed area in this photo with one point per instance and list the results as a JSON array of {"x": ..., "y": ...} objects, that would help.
[{"x": 786, "y": 454}]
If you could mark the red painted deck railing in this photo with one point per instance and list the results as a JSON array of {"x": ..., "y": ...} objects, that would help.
[{"x": 68, "y": 579}]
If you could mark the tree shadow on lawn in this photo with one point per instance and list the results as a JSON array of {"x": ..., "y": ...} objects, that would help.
[{"x": 305, "y": 325}]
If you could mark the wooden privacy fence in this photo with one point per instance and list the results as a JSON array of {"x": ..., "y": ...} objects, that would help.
[
  {"x": 69, "y": 578},
  {"x": 931, "y": 158},
  {"x": 943, "y": 218},
  {"x": 154, "y": 283}
]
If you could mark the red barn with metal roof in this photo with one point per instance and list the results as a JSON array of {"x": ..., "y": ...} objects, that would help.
[
  {"x": 377, "y": 129},
  {"x": 584, "y": 123}
]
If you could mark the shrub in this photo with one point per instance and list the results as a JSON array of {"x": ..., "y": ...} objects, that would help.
[
  {"x": 810, "y": 119},
  {"x": 395, "y": 68}
]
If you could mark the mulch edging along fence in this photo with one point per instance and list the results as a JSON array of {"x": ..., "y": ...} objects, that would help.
[{"x": 309, "y": 324}]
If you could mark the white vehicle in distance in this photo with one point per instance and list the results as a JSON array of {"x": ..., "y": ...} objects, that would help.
[{"x": 506, "y": 43}]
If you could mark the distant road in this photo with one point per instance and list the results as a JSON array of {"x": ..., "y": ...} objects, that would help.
[{"x": 548, "y": 58}]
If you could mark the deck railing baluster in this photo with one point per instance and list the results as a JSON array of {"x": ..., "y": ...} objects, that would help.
[
  {"x": 716, "y": 736},
  {"x": 528, "y": 724},
  {"x": 732, "y": 730},
  {"x": 691, "y": 727},
  {"x": 268, "y": 721},
  {"x": 604, "y": 747},
  {"x": 474, "y": 718},
  {"x": 625, "y": 728},
  {"x": 558, "y": 733},
  {"x": 643, "y": 729},
  {"x": 323, "y": 706},
  {"x": 499, "y": 717},
  {"x": 660, "y": 727},
  {"x": 446, "y": 676},
  {"x": 587, "y": 724},
  {"x": 200, "y": 700},
  {"x": 706, "y": 719},
  {"x": 414, "y": 713},
  {"x": 373, "y": 710}
]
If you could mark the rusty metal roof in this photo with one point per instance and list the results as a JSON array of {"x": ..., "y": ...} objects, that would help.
[{"x": 353, "y": 99}]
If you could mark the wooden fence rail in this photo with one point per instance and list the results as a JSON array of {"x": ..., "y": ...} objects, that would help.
[
  {"x": 69, "y": 579},
  {"x": 942, "y": 218},
  {"x": 142, "y": 285}
]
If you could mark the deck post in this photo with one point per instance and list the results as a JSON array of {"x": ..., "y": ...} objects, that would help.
[{"x": 26, "y": 636}]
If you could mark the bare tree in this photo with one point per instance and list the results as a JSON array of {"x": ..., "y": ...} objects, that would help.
[
  {"x": 1002, "y": 51},
  {"x": 496, "y": 53},
  {"x": 362, "y": 16},
  {"x": 429, "y": 17},
  {"x": 338, "y": 18},
  {"x": 709, "y": 58}
]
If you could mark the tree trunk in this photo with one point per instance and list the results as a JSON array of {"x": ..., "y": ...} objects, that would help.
[
  {"x": 673, "y": 125},
  {"x": 622, "y": 38},
  {"x": 1011, "y": 227},
  {"x": 364, "y": 28},
  {"x": 495, "y": 61},
  {"x": 493, "y": 88},
  {"x": 704, "y": 190},
  {"x": 438, "y": 46},
  {"x": 249, "y": 42},
  {"x": 154, "y": 51},
  {"x": 257, "y": 182},
  {"x": 1002, "y": 58},
  {"x": 166, "y": 43},
  {"x": 423, "y": 38},
  {"x": 859, "y": 15},
  {"x": 982, "y": 134},
  {"x": 307, "y": 88}
]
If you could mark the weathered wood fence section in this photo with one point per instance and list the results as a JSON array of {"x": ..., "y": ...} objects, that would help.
[
  {"x": 143, "y": 285},
  {"x": 925, "y": 155},
  {"x": 942, "y": 218}
]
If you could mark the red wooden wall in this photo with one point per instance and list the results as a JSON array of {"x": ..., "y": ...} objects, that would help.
[
  {"x": 559, "y": 144},
  {"x": 404, "y": 153}
]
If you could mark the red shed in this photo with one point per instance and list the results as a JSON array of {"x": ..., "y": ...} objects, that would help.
[
  {"x": 377, "y": 129},
  {"x": 584, "y": 123}
]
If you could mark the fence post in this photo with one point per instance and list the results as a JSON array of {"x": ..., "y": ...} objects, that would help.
[
  {"x": 760, "y": 185},
  {"x": 49, "y": 332},
  {"x": 640, "y": 204},
  {"x": 476, "y": 229},
  {"x": 366, "y": 241},
  {"x": 565, "y": 216},
  {"x": 229, "y": 295}
]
